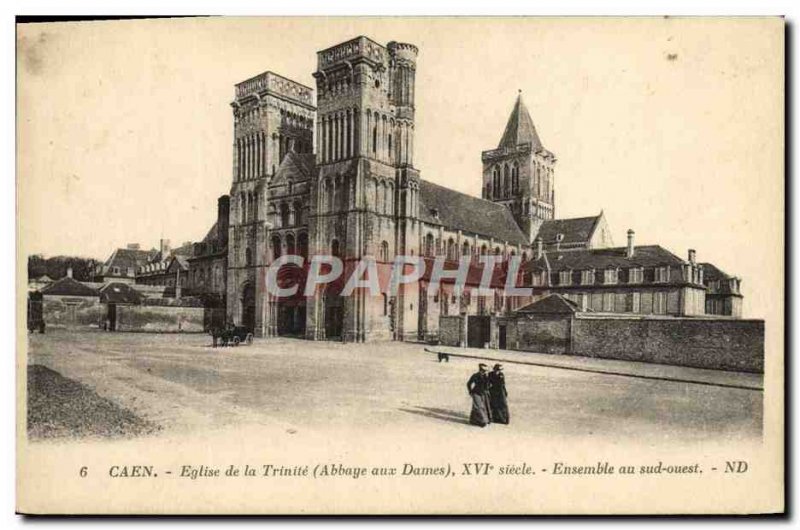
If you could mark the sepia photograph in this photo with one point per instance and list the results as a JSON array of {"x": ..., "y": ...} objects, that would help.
[{"x": 400, "y": 265}]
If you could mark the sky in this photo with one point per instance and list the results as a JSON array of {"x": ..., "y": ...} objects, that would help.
[{"x": 671, "y": 127}]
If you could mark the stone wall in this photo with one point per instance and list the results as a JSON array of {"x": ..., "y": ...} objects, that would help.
[
  {"x": 72, "y": 311},
  {"x": 160, "y": 319},
  {"x": 722, "y": 344},
  {"x": 452, "y": 331},
  {"x": 545, "y": 334}
]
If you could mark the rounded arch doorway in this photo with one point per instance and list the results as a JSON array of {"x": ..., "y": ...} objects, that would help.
[{"x": 248, "y": 306}]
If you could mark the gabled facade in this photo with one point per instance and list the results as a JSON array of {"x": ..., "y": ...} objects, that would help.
[{"x": 123, "y": 264}]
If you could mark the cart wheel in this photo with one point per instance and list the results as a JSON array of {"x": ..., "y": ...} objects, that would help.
[
  {"x": 249, "y": 339},
  {"x": 236, "y": 341}
]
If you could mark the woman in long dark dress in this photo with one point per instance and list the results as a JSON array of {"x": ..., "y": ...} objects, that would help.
[
  {"x": 498, "y": 395},
  {"x": 478, "y": 388}
]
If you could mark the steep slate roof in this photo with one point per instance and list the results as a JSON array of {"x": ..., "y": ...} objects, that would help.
[
  {"x": 125, "y": 258},
  {"x": 459, "y": 211},
  {"x": 520, "y": 129},
  {"x": 68, "y": 287},
  {"x": 181, "y": 261},
  {"x": 711, "y": 272},
  {"x": 212, "y": 235},
  {"x": 120, "y": 293},
  {"x": 552, "y": 304},
  {"x": 295, "y": 167},
  {"x": 576, "y": 230},
  {"x": 605, "y": 258}
]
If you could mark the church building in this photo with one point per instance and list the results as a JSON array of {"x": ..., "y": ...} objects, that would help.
[{"x": 336, "y": 176}]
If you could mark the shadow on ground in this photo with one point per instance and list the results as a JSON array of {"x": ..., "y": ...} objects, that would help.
[{"x": 439, "y": 414}]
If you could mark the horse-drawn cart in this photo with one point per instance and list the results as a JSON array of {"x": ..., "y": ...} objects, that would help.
[{"x": 232, "y": 336}]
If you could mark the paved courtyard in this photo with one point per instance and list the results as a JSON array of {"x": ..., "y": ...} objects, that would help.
[{"x": 183, "y": 385}]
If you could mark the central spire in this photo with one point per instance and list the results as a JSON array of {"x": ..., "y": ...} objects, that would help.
[{"x": 520, "y": 129}]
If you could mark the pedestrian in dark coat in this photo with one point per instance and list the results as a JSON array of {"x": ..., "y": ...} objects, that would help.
[
  {"x": 498, "y": 395},
  {"x": 478, "y": 388}
]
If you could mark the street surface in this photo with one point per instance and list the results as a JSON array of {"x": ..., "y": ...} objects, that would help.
[{"x": 183, "y": 385}]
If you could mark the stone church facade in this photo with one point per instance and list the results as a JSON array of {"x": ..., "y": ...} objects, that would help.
[{"x": 336, "y": 176}]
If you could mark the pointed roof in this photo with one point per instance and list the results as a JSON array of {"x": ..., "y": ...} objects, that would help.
[
  {"x": 120, "y": 293},
  {"x": 458, "y": 211},
  {"x": 520, "y": 129},
  {"x": 295, "y": 167},
  {"x": 67, "y": 286},
  {"x": 551, "y": 304},
  {"x": 575, "y": 231}
]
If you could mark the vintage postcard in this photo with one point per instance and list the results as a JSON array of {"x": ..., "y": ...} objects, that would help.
[{"x": 400, "y": 266}]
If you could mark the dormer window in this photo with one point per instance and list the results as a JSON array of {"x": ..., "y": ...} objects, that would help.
[
  {"x": 636, "y": 275},
  {"x": 565, "y": 278},
  {"x": 610, "y": 276},
  {"x": 587, "y": 277},
  {"x": 661, "y": 274}
]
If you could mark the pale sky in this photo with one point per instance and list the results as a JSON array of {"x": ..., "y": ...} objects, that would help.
[{"x": 673, "y": 127}]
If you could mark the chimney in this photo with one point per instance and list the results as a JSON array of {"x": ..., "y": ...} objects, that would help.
[
  {"x": 629, "y": 252},
  {"x": 223, "y": 213},
  {"x": 69, "y": 271},
  {"x": 692, "y": 256},
  {"x": 164, "y": 248},
  {"x": 539, "y": 247}
]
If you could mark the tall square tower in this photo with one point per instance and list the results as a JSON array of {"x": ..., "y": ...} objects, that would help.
[
  {"x": 519, "y": 173},
  {"x": 272, "y": 116}
]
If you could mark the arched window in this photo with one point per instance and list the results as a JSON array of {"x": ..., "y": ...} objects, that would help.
[
  {"x": 374, "y": 139},
  {"x": 496, "y": 183},
  {"x": 515, "y": 179},
  {"x": 338, "y": 192},
  {"x": 379, "y": 197},
  {"x": 276, "y": 247},
  {"x": 290, "y": 244},
  {"x": 451, "y": 250},
  {"x": 465, "y": 249},
  {"x": 506, "y": 181},
  {"x": 327, "y": 191},
  {"x": 483, "y": 250},
  {"x": 273, "y": 216},
  {"x": 248, "y": 258},
  {"x": 384, "y": 251},
  {"x": 298, "y": 213},
  {"x": 302, "y": 243},
  {"x": 496, "y": 251},
  {"x": 335, "y": 248},
  {"x": 284, "y": 215},
  {"x": 386, "y": 199},
  {"x": 428, "y": 246}
]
